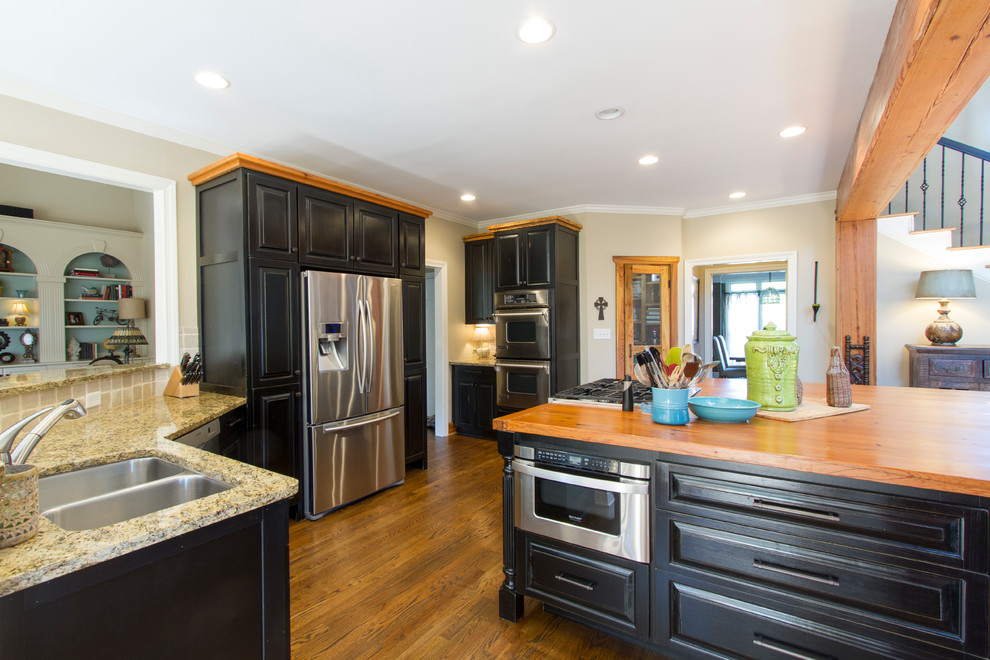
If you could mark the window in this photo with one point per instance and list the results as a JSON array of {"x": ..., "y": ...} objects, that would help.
[{"x": 746, "y": 303}]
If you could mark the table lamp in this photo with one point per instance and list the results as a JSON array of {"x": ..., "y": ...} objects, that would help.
[
  {"x": 21, "y": 310},
  {"x": 943, "y": 285},
  {"x": 482, "y": 334},
  {"x": 129, "y": 336}
]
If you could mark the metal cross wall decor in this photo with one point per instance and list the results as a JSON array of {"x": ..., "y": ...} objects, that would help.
[{"x": 600, "y": 305}]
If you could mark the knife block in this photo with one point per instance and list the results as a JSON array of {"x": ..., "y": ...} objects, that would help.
[{"x": 175, "y": 388}]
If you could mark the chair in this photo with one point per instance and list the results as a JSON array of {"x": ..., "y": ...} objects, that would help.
[{"x": 727, "y": 367}]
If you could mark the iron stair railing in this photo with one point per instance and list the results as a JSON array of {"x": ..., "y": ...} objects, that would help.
[{"x": 952, "y": 160}]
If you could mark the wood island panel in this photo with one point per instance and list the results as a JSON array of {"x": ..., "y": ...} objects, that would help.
[{"x": 921, "y": 438}]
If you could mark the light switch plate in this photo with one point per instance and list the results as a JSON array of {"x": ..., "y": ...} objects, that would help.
[{"x": 603, "y": 333}]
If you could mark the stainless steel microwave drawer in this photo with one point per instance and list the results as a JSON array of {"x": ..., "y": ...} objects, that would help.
[
  {"x": 931, "y": 606},
  {"x": 695, "y": 620},
  {"x": 943, "y": 533}
]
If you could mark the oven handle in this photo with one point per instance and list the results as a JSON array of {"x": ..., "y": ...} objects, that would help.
[
  {"x": 631, "y": 486},
  {"x": 544, "y": 312},
  {"x": 522, "y": 365}
]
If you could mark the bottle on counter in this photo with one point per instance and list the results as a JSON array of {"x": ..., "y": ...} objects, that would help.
[
  {"x": 627, "y": 394},
  {"x": 838, "y": 390}
]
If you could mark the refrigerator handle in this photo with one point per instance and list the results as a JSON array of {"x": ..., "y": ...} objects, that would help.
[
  {"x": 369, "y": 368},
  {"x": 364, "y": 347}
]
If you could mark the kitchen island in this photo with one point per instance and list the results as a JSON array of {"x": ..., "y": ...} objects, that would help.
[
  {"x": 193, "y": 572},
  {"x": 857, "y": 535}
]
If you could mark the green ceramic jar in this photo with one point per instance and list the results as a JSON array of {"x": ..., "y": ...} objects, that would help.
[{"x": 771, "y": 369}]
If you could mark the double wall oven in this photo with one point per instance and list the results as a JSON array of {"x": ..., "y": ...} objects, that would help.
[{"x": 522, "y": 348}]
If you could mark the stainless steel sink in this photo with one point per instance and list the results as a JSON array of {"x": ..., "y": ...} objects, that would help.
[{"x": 107, "y": 494}]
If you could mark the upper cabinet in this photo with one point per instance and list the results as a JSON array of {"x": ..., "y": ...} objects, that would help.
[
  {"x": 479, "y": 282},
  {"x": 412, "y": 245},
  {"x": 535, "y": 253}
]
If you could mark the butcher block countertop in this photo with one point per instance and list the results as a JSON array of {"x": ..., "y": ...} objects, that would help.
[
  {"x": 922, "y": 438},
  {"x": 142, "y": 428}
]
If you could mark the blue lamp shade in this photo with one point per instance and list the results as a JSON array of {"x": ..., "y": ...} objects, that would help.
[{"x": 943, "y": 285}]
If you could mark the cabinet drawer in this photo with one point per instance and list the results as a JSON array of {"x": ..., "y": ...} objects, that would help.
[
  {"x": 613, "y": 592},
  {"x": 927, "y": 530},
  {"x": 701, "y": 623},
  {"x": 928, "y": 606},
  {"x": 961, "y": 367}
]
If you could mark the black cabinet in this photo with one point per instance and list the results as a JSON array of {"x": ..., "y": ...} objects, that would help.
[
  {"x": 479, "y": 280},
  {"x": 412, "y": 245},
  {"x": 326, "y": 229},
  {"x": 415, "y": 391},
  {"x": 272, "y": 230},
  {"x": 232, "y": 442},
  {"x": 414, "y": 322},
  {"x": 376, "y": 239},
  {"x": 274, "y": 321},
  {"x": 474, "y": 400},
  {"x": 273, "y": 444},
  {"x": 525, "y": 257}
]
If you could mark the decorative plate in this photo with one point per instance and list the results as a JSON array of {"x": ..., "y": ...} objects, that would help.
[
  {"x": 4, "y": 340},
  {"x": 6, "y": 358}
]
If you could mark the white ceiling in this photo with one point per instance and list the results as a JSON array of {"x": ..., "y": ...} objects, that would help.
[{"x": 425, "y": 100}]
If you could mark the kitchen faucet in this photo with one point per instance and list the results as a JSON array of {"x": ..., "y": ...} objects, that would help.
[{"x": 70, "y": 408}]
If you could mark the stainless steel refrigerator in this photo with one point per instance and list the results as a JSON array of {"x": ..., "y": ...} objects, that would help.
[{"x": 355, "y": 435}]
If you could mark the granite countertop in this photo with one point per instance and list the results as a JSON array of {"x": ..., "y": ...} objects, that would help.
[
  {"x": 35, "y": 381},
  {"x": 487, "y": 362},
  {"x": 143, "y": 428}
]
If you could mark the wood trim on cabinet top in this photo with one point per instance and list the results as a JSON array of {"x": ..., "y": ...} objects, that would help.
[
  {"x": 478, "y": 237},
  {"x": 239, "y": 160},
  {"x": 549, "y": 220}
]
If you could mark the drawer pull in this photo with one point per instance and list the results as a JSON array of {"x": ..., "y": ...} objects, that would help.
[
  {"x": 788, "y": 650},
  {"x": 795, "y": 510},
  {"x": 587, "y": 585},
  {"x": 793, "y": 572}
]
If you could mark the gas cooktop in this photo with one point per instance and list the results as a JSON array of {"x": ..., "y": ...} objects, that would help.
[{"x": 605, "y": 391}]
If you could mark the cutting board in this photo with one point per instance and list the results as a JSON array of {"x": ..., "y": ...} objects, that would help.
[{"x": 810, "y": 409}]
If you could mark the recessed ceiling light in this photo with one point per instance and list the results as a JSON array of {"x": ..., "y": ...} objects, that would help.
[
  {"x": 737, "y": 195},
  {"x": 610, "y": 113},
  {"x": 649, "y": 160},
  {"x": 468, "y": 197},
  {"x": 211, "y": 80},
  {"x": 535, "y": 30},
  {"x": 791, "y": 131}
]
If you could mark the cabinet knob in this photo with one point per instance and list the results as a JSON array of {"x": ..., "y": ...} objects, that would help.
[
  {"x": 295, "y": 249},
  {"x": 297, "y": 372},
  {"x": 298, "y": 394},
  {"x": 358, "y": 258}
]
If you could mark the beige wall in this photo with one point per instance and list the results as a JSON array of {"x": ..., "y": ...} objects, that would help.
[
  {"x": 42, "y": 128},
  {"x": 902, "y": 320},
  {"x": 443, "y": 243},
  {"x": 805, "y": 228},
  {"x": 606, "y": 235}
]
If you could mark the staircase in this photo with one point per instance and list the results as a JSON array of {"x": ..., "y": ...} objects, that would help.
[{"x": 942, "y": 211}]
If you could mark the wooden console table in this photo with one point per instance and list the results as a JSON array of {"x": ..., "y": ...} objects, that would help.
[{"x": 950, "y": 367}]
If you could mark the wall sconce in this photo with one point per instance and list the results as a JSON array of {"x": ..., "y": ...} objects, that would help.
[
  {"x": 482, "y": 333},
  {"x": 942, "y": 285},
  {"x": 21, "y": 310}
]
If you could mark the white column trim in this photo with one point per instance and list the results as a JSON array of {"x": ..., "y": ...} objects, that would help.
[{"x": 441, "y": 386}]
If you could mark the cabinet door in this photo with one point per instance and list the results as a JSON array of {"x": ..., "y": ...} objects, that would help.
[
  {"x": 414, "y": 322},
  {"x": 412, "y": 245},
  {"x": 539, "y": 260},
  {"x": 479, "y": 287},
  {"x": 325, "y": 225},
  {"x": 508, "y": 261},
  {"x": 485, "y": 399},
  {"x": 276, "y": 433},
  {"x": 415, "y": 386},
  {"x": 271, "y": 217},
  {"x": 376, "y": 238},
  {"x": 274, "y": 323},
  {"x": 464, "y": 408}
]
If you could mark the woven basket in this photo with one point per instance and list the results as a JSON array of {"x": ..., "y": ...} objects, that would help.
[{"x": 18, "y": 504}]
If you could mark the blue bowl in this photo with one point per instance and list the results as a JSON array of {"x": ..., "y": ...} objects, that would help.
[{"x": 722, "y": 409}]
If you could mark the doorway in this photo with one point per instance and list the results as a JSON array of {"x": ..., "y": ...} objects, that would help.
[
  {"x": 437, "y": 369},
  {"x": 646, "y": 295}
]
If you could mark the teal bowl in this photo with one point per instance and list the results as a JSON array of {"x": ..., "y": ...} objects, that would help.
[{"x": 722, "y": 409}]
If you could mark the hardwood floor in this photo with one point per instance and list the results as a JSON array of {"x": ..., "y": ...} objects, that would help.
[{"x": 413, "y": 572}]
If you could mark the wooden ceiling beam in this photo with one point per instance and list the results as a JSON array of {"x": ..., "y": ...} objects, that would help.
[{"x": 935, "y": 58}]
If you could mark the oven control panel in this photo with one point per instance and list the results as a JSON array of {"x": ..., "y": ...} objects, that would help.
[{"x": 578, "y": 461}]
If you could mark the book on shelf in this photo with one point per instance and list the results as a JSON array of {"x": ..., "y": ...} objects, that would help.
[
  {"x": 88, "y": 350},
  {"x": 86, "y": 272},
  {"x": 117, "y": 291}
]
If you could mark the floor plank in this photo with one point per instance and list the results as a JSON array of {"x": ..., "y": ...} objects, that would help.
[{"x": 414, "y": 571}]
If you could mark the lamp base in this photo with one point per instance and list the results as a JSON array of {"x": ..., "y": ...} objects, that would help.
[{"x": 943, "y": 331}]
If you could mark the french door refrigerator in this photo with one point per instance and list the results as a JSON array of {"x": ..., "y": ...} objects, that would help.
[{"x": 355, "y": 418}]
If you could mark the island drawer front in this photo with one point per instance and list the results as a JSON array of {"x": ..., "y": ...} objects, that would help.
[
  {"x": 611, "y": 592},
  {"x": 931, "y": 607},
  {"x": 696, "y": 621},
  {"x": 938, "y": 532}
]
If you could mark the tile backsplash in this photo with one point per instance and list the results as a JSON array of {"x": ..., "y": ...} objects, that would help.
[{"x": 111, "y": 391}]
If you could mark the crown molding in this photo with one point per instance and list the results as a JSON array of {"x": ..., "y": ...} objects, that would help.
[
  {"x": 590, "y": 208},
  {"x": 54, "y": 101},
  {"x": 766, "y": 204}
]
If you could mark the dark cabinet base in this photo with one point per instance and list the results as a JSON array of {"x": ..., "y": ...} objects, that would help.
[{"x": 218, "y": 592}]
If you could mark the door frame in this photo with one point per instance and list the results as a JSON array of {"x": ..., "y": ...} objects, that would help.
[
  {"x": 440, "y": 368},
  {"x": 620, "y": 313}
]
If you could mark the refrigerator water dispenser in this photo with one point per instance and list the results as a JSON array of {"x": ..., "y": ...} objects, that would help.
[{"x": 332, "y": 341}]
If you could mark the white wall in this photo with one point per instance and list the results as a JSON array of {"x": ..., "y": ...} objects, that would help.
[
  {"x": 902, "y": 320},
  {"x": 444, "y": 243},
  {"x": 805, "y": 228}
]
